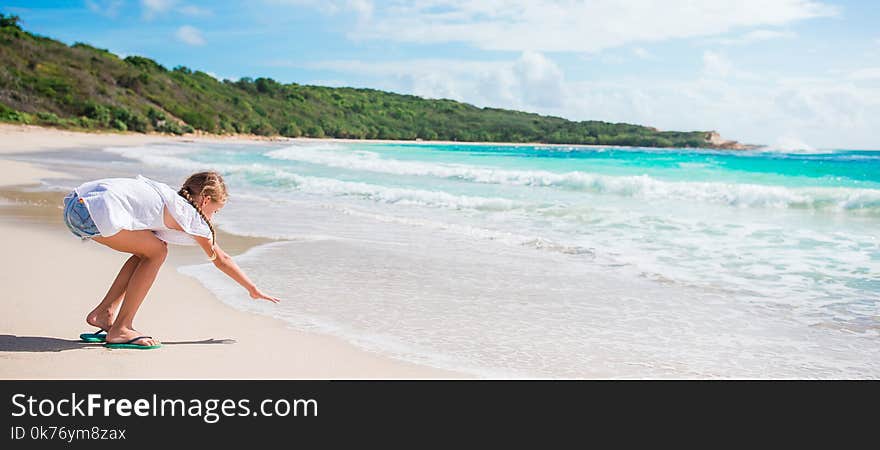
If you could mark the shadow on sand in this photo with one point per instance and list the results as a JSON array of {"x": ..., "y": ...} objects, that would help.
[{"x": 10, "y": 343}]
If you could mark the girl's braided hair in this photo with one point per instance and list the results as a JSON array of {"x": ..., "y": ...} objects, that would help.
[{"x": 204, "y": 184}]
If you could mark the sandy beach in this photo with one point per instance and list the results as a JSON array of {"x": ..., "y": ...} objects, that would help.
[
  {"x": 51, "y": 280},
  {"x": 455, "y": 262}
]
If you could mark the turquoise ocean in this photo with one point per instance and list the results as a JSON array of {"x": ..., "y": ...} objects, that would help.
[{"x": 555, "y": 261}]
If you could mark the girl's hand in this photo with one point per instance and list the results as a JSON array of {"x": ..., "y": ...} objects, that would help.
[{"x": 257, "y": 294}]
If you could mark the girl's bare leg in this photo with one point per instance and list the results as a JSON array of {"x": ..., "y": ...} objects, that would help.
[
  {"x": 151, "y": 253},
  {"x": 104, "y": 314}
]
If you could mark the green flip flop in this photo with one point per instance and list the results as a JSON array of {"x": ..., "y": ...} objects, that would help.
[
  {"x": 93, "y": 337},
  {"x": 132, "y": 345}
]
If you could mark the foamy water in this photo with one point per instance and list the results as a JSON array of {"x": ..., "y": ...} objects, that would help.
[{"x": 559, "y": 261}]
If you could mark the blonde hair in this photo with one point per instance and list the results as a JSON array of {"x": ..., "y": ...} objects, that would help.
[{"x": 204, "y": 184}]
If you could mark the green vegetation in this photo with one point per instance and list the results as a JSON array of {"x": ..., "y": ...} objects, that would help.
[{"x": 44, "y": 81}]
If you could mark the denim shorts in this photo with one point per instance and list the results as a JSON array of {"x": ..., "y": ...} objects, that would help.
[{"x": 77, "y": 217}]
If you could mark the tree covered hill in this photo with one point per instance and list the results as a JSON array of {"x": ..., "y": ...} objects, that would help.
[{"x": 46, "y": 82}]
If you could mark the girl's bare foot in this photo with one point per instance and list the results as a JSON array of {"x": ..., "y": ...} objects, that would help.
[
  {"x": 120, "y": 335},
  {"x": 101, "y": 318}
]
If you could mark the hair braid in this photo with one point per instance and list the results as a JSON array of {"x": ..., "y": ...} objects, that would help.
[{"x": 184, "y": 192}]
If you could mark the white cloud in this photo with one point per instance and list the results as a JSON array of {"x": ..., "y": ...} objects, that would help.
[
  {"x": 152, "y": 8},
  {"x": 430, "y": 78},
  {"x": 384, "y": 68},
  {"x": 191, "y": 10},
  {"x": 532, "y": 80},
  {"x": 363, "y": 8},
  {"x": 716, "y": 64},
  {"x": 190, "y": 35},
  {"x": 758, "y": 36},
  {"x": 641, "y": 53},
  {"x": 326, "y": 7},
  {"x": 869, "y": 73},
  {"x": 109, "y": 8},
  {"x": 821, "y": 112},
  {"x": 539, "y": 80},
  {"x": 563, "y": 25},
  {"x": 827, "y": 106}
]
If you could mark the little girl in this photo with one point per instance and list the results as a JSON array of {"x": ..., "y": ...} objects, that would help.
[{"x": 140, "y": 216}]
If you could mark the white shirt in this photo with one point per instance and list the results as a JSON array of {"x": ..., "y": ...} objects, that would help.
[{"x": 138, "y": 204}]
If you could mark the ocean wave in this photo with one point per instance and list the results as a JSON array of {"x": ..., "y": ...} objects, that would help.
[
  {"x": 640, "y": 186},
  {"x": 269, "y": 176},
  {"x": 858, "y": 200},
  {"x": 320, "y": 185},
  {"x": 168, "y": 156}
]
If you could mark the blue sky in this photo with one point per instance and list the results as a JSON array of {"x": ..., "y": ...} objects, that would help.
[{"x": 789, "y": 73}]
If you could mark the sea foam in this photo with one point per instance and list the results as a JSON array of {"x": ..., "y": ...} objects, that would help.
[{"x": 639, "y": 186}]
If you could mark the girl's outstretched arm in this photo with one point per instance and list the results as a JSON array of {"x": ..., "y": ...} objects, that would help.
[{"x": 228, "y": 266}]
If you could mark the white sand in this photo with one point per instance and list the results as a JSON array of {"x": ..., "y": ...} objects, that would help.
[{"x": 51, "y": 280}]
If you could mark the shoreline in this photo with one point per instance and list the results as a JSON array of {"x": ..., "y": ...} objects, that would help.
[
  {"x": 55, "y": 280},
  {"x": 148, "y": 138}
]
